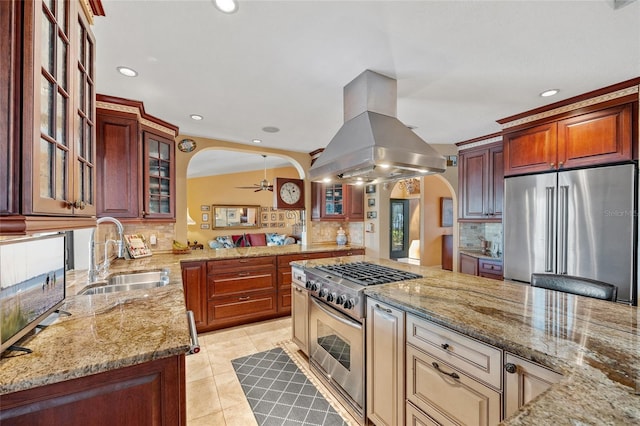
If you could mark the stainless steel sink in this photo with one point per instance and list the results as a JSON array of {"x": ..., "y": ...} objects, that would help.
[{"x": 129, "y": 281}]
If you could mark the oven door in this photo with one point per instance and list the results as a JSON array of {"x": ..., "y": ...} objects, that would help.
[{"x": 336, "y": 346}]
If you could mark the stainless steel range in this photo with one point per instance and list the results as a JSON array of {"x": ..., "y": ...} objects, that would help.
[{"x": 336, "y": 325}]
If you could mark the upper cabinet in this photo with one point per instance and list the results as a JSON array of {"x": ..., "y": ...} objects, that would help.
[
  {"x": 480, "y": 180},
  {"x": 48, "y": 126},
  {"x": 136, "y": 158},
  {"x": 588, "y": 136},
  {"x": 337, "y": 202}
]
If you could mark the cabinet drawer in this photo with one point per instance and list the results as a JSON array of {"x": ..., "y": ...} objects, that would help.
[
  {"x": 448, "y": 400},
  {"x": 353, "y": 252},
  {"x": 471, "y": 356},
  {"x": 415, "y": 417},
  {"x": 246, "y": 263},
  {"x": 286, "y": 259},
  {"x": 241, "y": 308},
  {"x": 240, "y": 282},
  {"x": 490, "y": 267}
]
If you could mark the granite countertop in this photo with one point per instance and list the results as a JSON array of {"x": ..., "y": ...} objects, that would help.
[
  {"x": 594, "y": 344},
  {"x": 115, "y": 330},
  {"x": 477, "y": 253}
]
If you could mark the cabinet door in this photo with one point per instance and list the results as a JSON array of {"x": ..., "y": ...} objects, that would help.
[
  {"x": 385, "y": 364},
  {"x": 475, "y": 186},
  {"x": 159, "y": 181},
  {"x": 595, "y": 138},
  {"x": 531, "y": 150},
  {"x": 523, "y": 381},
  {"x": 496, "y": 182},
  {"x": 355, "y": 195},
  {"x": 468, "y": 264},
  {"x": 194, "y": 276},
  {"x": 9, "y": 99},
  {"x": 299, "y": 317},
  {"x": 447, "y": 395},
  {"x": 118, "y": 160}
]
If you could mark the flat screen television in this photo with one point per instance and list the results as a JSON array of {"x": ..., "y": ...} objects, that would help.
[{"x": 32, "y": 284}]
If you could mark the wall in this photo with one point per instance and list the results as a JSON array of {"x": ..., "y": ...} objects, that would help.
[{"x": 221, "y": 190}]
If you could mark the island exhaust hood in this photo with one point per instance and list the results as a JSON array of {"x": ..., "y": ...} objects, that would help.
[{"x": 373, "y": 146}]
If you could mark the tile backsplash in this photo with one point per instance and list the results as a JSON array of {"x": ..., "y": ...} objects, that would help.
[
  {"x": 472, "y": 234},
  {"x": 325, "y": 232}
]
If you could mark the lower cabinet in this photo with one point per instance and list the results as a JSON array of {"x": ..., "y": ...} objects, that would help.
[
  {"x": 468, "y": 264},
  {"x": 300, "y": 312},
  {"x": 385, "y": 364},
  {"x": 194, "y": 282},
  {"x": 487, "y": 268},
  {"x": 523, "y": 381},
  {"x": 151, "y": 393}
]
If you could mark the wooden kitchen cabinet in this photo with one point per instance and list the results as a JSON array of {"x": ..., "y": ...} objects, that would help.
[
  {"x": 136, "y": 154},
  {"x": 337, "y": 202},
  {"x": 468, "y": 264},
  {"x": 490, "y": 268},
  {"x": 300, "y": 312},
  {"x": 451, "y": 379},
  {"x": 48, "y": 121},
  {"x": 385, "y": 363},
  {"x": 151, "y": 393},
  {"x": 194, "y": 282},
  {"x": 480, "y": 174},
  {"x": 523, "y": 381},
  {"x": 594, "y": 136}
]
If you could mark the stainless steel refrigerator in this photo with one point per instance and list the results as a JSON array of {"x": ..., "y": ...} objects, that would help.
[{"x": 575, "y": 222}]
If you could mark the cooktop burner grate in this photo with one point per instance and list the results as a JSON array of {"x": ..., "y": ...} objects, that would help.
[{"x": 366, "y": 273}]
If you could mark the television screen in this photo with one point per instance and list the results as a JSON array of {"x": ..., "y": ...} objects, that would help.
[{"x": 32, "y": 284}]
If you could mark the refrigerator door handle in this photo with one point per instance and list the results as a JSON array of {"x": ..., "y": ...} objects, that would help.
[
  {"x": 563, "y": 213},
  {"x": 549, "y": 244}
]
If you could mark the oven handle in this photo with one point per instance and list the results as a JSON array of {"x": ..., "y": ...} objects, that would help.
[{"x": 336, "y": 315}]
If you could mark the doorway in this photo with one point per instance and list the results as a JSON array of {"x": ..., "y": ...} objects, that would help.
[{"x": 399, "y": 230}]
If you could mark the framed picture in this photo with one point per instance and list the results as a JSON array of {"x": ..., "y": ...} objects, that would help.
[
  {"x": 205, "y": 208},
  {"x": 265, "y": 224},
  {"x": 205, "y": 217},
  {"x": 280, "y": 224},
  {"x": 372, "y": 215},
  {"x": 264, "y": 217},
  {"x": 371, "y": 202},
  {"x": 274, "y": 217},
  {"x": 446, "y": 212},
  {"x": 370, "y": 189},
  {"x": 452, "y": 160},
  {"x": 281, "y": 216},
  {"x": 205, "y": 226},
  {"x": 264, "y": 209}
]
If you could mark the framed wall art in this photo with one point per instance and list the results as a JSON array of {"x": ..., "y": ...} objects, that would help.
[
  {"x": 446, "y": 212},
  {"x": 370, "y": 189}
]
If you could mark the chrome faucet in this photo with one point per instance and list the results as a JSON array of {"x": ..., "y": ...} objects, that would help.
[{"x": 94, "y": 269}]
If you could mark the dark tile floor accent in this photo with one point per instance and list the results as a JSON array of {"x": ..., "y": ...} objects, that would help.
[{"x": 280, "y": 394}]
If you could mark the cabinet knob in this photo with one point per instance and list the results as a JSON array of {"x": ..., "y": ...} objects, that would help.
[
  {"x": 560, "y": 164},
  {"x": 552, "y": 164},
  {"x": 80, "y": 205},
  {"x": 445, "y": 346},
  {"x": 510, "y": 368}
]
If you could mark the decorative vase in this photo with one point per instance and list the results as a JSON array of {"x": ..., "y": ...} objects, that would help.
[{"x": 341, "y": 238}]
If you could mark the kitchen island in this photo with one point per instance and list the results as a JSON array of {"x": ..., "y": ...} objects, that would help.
[{"x": 593, "y": 344}]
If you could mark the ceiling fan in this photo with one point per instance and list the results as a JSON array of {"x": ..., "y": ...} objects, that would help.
[{"x": 264, "y": 183}]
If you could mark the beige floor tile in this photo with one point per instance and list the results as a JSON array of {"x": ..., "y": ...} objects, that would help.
[
  {"x": 202, "y": 398},
  {"x": 229, "y": 390},
  {"x": 239, "y": 415},
  {"x": 215, "y": 419},
  {"x": 198, "y": 366}
]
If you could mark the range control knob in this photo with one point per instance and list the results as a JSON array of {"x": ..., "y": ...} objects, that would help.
[
  {"x": 308, "y": 284},
  {"x": 323, "y": 292},
  {"x": 341, "y": 299},
  {"x": 314, "y": 287},
  {"x": 349, "y": 303},
  {"x": 331, "y": 297}
]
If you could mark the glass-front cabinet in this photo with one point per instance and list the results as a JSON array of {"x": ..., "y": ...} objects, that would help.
[
  {"x": 159, "y": 197},
  {"x": 59, "y": 65},
  {"x": 333, "y": 200},
  {"x": 337, "y": 202}
]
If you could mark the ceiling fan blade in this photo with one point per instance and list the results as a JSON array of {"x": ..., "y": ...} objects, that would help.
[{"x": 248, "y": 187}]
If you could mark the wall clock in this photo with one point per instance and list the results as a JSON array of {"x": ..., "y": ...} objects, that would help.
[
  {"x": 288, "y": 193},
  {"x": 187, "y": 145}
]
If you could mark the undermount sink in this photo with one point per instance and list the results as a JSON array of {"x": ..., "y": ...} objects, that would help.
[{"x": 129, "y": 281}]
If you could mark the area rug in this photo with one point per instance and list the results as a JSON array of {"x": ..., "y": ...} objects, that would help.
[{"x": 280, "y": 394}]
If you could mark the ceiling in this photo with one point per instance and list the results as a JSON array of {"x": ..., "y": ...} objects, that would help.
[{"x": 460, "y": 65}]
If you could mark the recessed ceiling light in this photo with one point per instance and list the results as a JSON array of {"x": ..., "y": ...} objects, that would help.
[
  {"x": 196, "y": 117},
  {"x": 549, "y": 92},
  {"x": 326, "y": 180},
  {"x": 128, "y": 72},
  {"x": 226, "y": 6},
  {"x": 256, "y": 141},
  {"x": 270, "y": 129}
]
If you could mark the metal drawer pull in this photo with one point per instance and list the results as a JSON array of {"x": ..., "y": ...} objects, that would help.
[
  {"x": 243, "y": 260},
  {"x": 389, "y": 311},
  {"x": 445, "y": 346},
  {"x": 437, "y": 367},
  {"x": 244, "y": 298},
  {"x": 243, "y": 274}
]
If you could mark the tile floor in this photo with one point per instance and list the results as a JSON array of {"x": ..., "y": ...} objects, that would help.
[{"x": 214, "y": 394}]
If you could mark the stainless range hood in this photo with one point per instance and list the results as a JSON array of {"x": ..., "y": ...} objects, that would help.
[{"x": 373, "y": 146}]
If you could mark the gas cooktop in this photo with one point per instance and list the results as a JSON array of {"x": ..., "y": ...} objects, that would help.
[{"x": 365, "y": 273}]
